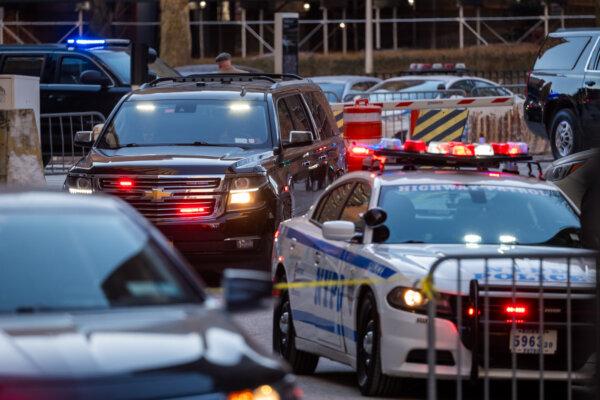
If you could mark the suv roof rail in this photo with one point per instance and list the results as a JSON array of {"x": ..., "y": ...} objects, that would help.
[
  {"x": 225, "y": 78},
  {"x": 595, "y": 29}
]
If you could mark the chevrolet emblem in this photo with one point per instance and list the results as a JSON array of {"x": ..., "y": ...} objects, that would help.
[{"x": 156, "y": 195}]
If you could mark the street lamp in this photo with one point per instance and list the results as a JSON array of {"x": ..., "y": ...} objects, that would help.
[
  {"x": 342, "y": 25},
  {"x": 203, "y": 4},
  {"x": 411, "y": 3},
  {"x": 306, "y": 6}
]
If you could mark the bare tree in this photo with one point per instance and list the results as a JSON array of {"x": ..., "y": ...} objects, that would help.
[{"x": 175, "y": 35}]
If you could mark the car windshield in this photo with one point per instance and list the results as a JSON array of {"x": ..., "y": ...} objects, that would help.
[
  {"x": 119, "y": 62},
  {"x": 189, "y": 122},
  {"x": 459, "y": 214},
  {"x": 333, "y": 91},
  {"x": 82, "y": 261}
]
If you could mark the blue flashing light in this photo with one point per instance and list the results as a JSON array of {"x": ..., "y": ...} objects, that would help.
[{"x": 86, "y": 42}]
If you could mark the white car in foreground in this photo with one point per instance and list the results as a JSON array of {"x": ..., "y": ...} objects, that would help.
[{"x": 371, "y": 315}]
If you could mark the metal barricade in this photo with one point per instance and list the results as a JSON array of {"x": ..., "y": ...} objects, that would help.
[
  {"x": 57, "y": 133},
  {"x": 526, "y": 316}
]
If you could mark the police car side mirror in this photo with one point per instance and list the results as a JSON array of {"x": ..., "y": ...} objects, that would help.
[
  {"x": 94, "y": 77},
  {"x": 246, "y": 289},
  {"x": 84, "y": 139},
  {"x": 339, "y": 230},
  {"x": 374, "y": 217}
]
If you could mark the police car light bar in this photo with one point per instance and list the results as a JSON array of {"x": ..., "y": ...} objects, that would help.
[
  {"x": 81, "y": 42},
  {"x": 448, "y": 154}
]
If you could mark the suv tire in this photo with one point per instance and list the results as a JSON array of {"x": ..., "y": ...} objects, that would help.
[
  {"x": 284, "y": 339},
  {"x": 565, "y": 134}
]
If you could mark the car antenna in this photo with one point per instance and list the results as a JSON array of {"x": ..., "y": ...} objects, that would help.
[{"x": 243, "y": 92}]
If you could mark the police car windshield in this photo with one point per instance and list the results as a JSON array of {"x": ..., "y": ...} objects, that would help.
[
  {"x": 189, "y": 122},
  {"x": 64, "y": 269},
  {"x": 119, "y": 62},
  {"x": 409, "y": 85},
  {"x": 459, "y": 214}
]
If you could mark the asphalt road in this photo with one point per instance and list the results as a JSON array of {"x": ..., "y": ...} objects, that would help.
[{"x": 334, "y": 381}]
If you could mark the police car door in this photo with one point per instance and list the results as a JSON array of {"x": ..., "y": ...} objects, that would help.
[{"x": 324, "y": 262}]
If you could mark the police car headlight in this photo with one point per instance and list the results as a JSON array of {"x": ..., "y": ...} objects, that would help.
[
  {"x": 407, "y": 298},
  {"x": 79, "y": 184},
  {"x": 264, "y": 392}
]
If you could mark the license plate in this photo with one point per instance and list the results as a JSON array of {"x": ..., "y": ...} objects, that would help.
[{"x": 529, "y": 341}]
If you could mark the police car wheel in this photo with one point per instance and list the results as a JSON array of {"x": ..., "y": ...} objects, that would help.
[
  {"x": 284, "y": 337},
  {"x": 371, "y": 380}
]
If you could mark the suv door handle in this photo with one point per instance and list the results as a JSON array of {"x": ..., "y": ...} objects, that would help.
[{"x": 590, "y": 83}]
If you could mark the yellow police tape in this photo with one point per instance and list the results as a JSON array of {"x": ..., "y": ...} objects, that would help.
[{"x": 425, "y": 284}]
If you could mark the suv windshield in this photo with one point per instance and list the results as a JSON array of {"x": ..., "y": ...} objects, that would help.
[
  {"x": 82, "y": 261},
  {"x": 189, "y": 122},
  {"x": 453, "y": 214},
  {"x": 119, "y": 62}
]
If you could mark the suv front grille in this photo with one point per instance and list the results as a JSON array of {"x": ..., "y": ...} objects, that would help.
[{"x": 165, "y": 198}]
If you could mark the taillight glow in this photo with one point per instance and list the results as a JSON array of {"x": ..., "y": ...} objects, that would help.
[
  {"x": 360, "y": 151},
  {"x": 192, "y": 210},
  {"x": 471, "y": 311},
  {"x": 125, "y": 183},
  {"x": 516, "y": 309}
]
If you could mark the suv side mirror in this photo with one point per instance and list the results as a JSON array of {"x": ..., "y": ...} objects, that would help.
[
  {"x": 300, "y": 137},
  {"x": 96, "y": 131},
  {"x": 84, "y": 139},
  {"x": 339, "y": 230},
  {"x": 246, "y": 289},
  {"x": 94, "y": 77}
]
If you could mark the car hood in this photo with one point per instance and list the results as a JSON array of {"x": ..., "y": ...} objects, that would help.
[
  {"x": 172, "y": 351},
  {"x": 411, "y": 262},
  {"x": 171, "y": 160}
]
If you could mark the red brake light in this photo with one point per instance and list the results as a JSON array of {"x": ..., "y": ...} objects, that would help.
[
  {"x": 192, "y": 210},
  {"x": 471, "y": 311},
  {"x": 125, "y": 183},
  {"x": 415, "y": 146},
  {"x": 516, "y": 309}
]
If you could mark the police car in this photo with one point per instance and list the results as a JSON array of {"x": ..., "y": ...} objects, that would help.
[{"x": 351, "y": 268}]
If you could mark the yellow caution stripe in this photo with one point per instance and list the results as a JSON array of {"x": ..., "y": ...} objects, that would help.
[
  {"x": 443, "y": 125},
  {"x": 339, "y": 118}
]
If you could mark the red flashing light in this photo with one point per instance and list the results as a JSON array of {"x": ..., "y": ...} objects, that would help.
[
  {"x": 516, "y": 309},
  {"x": 125, "y": 183},
  {"x": 471, "y": 311},
  {"x": 415, "y": 146},
  {"x": 462, "y": 150},
  {"x": 360, "y": 151},
  {"x": 192, "y": 210},
  {"x": 510, "y": 148}
]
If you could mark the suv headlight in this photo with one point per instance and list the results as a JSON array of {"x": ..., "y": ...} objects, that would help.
[
  {"x": 79, "y": 184},
  {"x": 244, "y": 193}
]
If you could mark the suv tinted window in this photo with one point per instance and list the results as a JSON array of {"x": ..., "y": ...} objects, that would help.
[
  {"x": 561, "y": 52},
  {"x": 72, "y": 67},
  {"x": 330, "y": 207},
  {"x": 292, "y": 117},
  {"x": 23, "y": 65},
  {"x": 317, "y": 103},
  {"x": 357, "y": 204}
]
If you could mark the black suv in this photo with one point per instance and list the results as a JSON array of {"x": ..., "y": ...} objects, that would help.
[
  {"x": 84, "y": 75},
  {"x": 563, "y": 91},
  {"x": 216, "y": 161}
]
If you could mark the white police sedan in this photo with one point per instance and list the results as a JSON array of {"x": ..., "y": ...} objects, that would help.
[{"x": 351, "y": 270}]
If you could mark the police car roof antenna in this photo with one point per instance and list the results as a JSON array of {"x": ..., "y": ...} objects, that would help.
[{"x": 243, "y": 91}]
